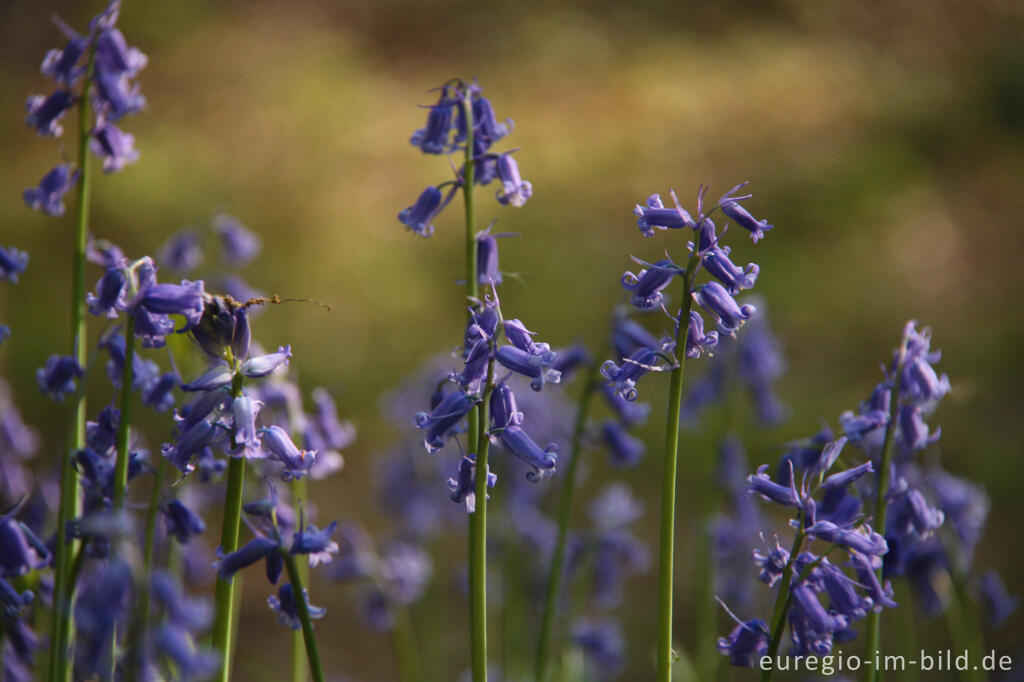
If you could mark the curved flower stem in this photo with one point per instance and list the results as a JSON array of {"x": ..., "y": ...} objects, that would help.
[
  {"x": 124, "y": 422},
  {"x": 70, "y": 500},
  {"x": 224, "y": 595},
  {"x": 565, "y": 499},
  {"x": 666, "y": 554},
  {"x": 782, "y": 601},
  {"x": 478, "y": 540},
  {"x": 872, "y": 637},
  {"x": 312, "y": 653}
]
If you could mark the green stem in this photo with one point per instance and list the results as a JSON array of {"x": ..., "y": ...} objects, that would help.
[
  {"x": 70, "y": 499},
  {"x": 478, "y": 542},
  {"x": 565, "y": 500},
  {"x": 124, "y": 423},
  {"x": 666, "y": 554},
  {"x": 225, "y": 603},
  {"x": 406, "y": 651},
  {"x": 312, "y": 653},
  {"x": 782, "y": 601},
  {"x": 872, "y": 636},
  {"x": 300, "y": 671}
]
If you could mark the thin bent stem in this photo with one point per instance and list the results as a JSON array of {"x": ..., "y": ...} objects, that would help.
[
  {"x": 872, "y": 637},
  {"x": 70, "y": 500},
  {"x": 666, "y": 554},
  {"x": 565, "y": 500},
  {"x": 299, "y": 594},
  {"x": 124, "y": 422},
  {"x": 478, "y": 540}
]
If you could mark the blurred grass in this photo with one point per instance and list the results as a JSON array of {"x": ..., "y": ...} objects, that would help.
[{"x": 883, "y": 140}]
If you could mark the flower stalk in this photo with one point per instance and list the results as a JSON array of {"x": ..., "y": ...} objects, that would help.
[
  {"x": 872, "y": 635},
  {"x": 312, "y": 653},
  {"x": 666, "y": 553},
  {"x": 70, "y": 498}
]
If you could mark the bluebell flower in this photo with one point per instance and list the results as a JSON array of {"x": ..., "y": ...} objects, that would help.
[
  {"x": 713, "y": 297},
  {"x": 697, "y": 341},
  {"x": 435, "y": 138},
  {"x": 280, "y": 447},
  {"x": 462, "y": 488},
  {"x": 13, "y": 263},
  {"x": 648, "y": 285},
  {"x": 49, "y": 195},
  {"x": 964, "y": 504},
  {"x": 482, "y": 326},
  {"x": 602, "y": 644},
  {"x": 420, "y": 215},
  {"x": 772, "y": 563},
  {"x": 182, "y": 252},
  {"x": 746, "y": 644},
  {"x": 218, "y": 376},
  {"x": 181, "y": 522},
  {"x": 543, "y": 461},
  {"x": 44, "y": 113},
  {"x": 522, "y": 338},
  {"x": 315, "y": 543},
  {"x": 514, "y": 190},
  {"x": 536, "y": 367},
  {"x": 114, "y": 146},
  {"x": 189, "y": 445},
  {"x": 444, "y": 420},
  {"x": 487, "y": 258},
  {"x": 474, "y": 372},
  {"x": 731, "y": 207},
  {"x": 238, "y": 245},
  {"x": 762, "y": 484},
  {"x": 101, "y": 435},
  {"x": 185, "y": 299},
  {"x": 404, "y": 571},
  {"x": 113, "y": 53},
  {"x": 116, "y": 95},
  {"x": 257, "y": 549},
  {"x": 487, "y": 128},
  {"x": 287, "y": 609},
  {"x": 63, "y": 65},
  {"x": 624, "y": 450},
  {"x": 110, "y": 294},
  {"x": 504, "y": 411},
  {"x": 716, "y": 262},
  {"x": 21, "y": 552},
  {"x": 655, "y": 215},
  {"x": 569, "y": 359},
  {"x": 144, "y": 372},
  {"x": 624, "y": 377},
  {"x": 243, "y": 423},
  {"x": 265, "y": 365},
  {"x": 58, "y": 376},
  {"x": 5, "y": 333}
]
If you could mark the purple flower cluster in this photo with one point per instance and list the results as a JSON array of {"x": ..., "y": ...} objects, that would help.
[
  {"x": 716, "y": 296},
  {"x": 99, "y": 66},
  {"x": 448, "y": 130}
]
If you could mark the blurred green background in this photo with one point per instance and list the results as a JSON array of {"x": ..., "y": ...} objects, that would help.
[{"x": 883, "y": 140}]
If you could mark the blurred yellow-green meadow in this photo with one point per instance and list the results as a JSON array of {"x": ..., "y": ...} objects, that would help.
[{"x": 883, "y": 140}]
